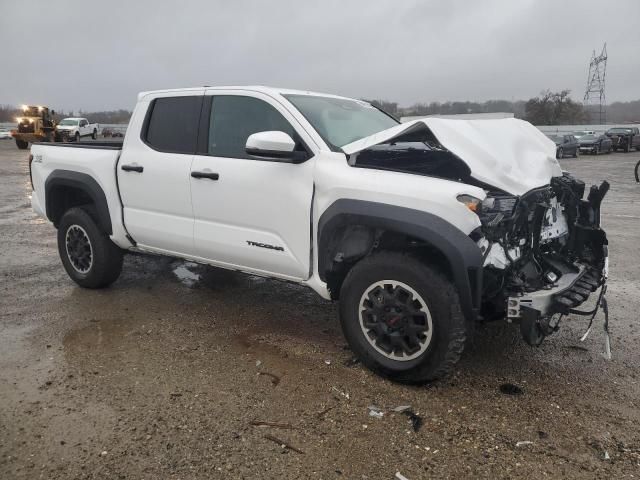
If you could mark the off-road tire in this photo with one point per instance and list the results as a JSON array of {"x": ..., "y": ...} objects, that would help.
[
  {"x": 448, "y": 323},
  {"x": 21, "y": 144},
  {"x": 106, "y": 263}
]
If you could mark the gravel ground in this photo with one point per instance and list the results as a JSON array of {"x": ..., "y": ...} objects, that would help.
[{"x": 166, "y": 373}]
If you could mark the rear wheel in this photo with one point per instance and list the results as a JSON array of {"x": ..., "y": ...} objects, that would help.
[
  {"x": 90, "y": 258},
  {"x": 21, "y": 144},
  {"x": 402, "y": 318}
]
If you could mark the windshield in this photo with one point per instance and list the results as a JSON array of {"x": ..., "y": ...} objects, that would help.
[
  {"x": 68, "y": 121},
  {"x": 581, "y": 134},
  {"x": 589, "y": 137},
  {"x": 340, "y": 121},
  {"x": 620, "y": 130}
]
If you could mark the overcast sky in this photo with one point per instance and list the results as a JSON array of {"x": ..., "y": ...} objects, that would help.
[{"x": 94, "y": 55}]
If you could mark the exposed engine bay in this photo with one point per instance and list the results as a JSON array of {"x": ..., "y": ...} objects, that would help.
[
  {"x": 543, "y": 249},
  {"x": 544, "y": 253}
]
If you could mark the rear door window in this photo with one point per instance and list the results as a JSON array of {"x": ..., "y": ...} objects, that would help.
[{"x": 172, "y": 124}]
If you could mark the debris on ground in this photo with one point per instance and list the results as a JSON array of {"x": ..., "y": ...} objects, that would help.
[
  {"x": 511, "y": 389},
  {"x": 400, "y": 476},
  {"x": 258, "y": 363},
  {"x": 522, "y": 443},
  {"x": 375, "y": 411},
  {"x": 274, "y": 378},
  {"x": 283, "y": 444},
  {"x": 414, "y": 418},
  {"x": 401, "y": 408},
  {"x": 606, "y": 455},
  {"x": 340, "y": 392},
  {"x": 352, "y": 362},
  {"x": 258, "y": 423},
  {"x": 328, "y": 362},
  {"x": 326, "y": 410}
]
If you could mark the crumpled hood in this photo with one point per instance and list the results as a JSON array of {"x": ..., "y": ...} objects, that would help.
[{"x": 508, "y": 154}]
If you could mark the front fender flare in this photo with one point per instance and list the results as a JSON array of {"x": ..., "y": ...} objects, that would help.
[{"x": 461, "y": 252}]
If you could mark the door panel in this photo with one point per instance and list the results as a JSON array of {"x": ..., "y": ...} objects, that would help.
[
  {"x": 157, "y": 197},
  {"x": 257, "y": 215}
]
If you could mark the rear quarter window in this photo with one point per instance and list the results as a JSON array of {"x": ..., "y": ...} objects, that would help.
[{"x": 172, "y": 124}]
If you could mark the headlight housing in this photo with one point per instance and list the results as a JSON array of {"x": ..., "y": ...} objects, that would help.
[{"x": 472, "y": 203}]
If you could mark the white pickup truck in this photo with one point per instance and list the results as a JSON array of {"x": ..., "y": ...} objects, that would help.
[
  {"x": 419, "y": 229},
  {"x": 76, "y": 128}
]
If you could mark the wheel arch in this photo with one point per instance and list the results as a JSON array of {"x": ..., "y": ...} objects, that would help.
[
  {"x": 65, "y": 189},
  {"x": 365, "y": 222}
]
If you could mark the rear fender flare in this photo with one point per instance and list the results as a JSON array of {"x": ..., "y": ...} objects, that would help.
[
  {"x": 461, "y": 252},
  {"x": 81, "y": 181}
]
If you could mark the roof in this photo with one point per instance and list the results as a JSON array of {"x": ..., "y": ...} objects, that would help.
[
  {"x": 74, "y": 118},
  {"x": 272, "y": 91}
]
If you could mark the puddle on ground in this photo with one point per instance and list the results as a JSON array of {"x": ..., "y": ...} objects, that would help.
[{"x": 186, "y": 275}]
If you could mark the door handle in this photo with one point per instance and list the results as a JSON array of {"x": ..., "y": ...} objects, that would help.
[
  {"x": 132, "y": 168},
  {"x": 209, "y": 175}
]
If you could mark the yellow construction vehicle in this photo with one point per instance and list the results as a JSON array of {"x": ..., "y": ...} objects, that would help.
[{"x": 36, "y": 124}]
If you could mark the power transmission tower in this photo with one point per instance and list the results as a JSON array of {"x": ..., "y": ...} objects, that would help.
[{"x": 594, "y": 97}]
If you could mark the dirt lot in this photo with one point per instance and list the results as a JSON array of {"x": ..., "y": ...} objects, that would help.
[{"x": 162, "y": 375}]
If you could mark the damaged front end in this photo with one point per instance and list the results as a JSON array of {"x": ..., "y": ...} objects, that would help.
[{"x": 544, "y": 253}]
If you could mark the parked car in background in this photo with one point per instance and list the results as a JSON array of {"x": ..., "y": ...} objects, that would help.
[
  {"x": 582, "y": 133},
  {"x": 595, "y": 144},
  {"x": 624, "y": 138},
  {"x": 566, "y": 145},
  {"x": 75, "y": 128},
  {"x": 5, "y": 133}
]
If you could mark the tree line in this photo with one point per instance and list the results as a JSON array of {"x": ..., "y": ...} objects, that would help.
[{"x": 548, "y": 108}]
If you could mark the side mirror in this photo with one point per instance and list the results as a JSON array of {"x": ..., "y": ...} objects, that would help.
[{"x": 274, "y": 145}]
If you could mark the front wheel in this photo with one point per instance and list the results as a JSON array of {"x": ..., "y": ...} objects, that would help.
[
  {"x": 94, "y": 135},
  {"x": 90, "y": 258},
  {"x": 21, "y": 144},
  {"x": 77, "y": 137},
  {"x": 576, "y": 154},
  {"x": 560, "y": 153},
  {"x": 402, "y": 318}
]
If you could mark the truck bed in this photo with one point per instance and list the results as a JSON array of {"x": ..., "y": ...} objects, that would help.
[{"x": 93, "y": 145}]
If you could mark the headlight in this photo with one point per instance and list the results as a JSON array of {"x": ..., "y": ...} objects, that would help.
[{"x": 472, "y": 203}]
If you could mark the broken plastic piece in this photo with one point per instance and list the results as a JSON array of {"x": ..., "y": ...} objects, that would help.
[
  {"x": 414, "y": 418},
  {"x": 375, "y": 411},
  {"x": 401, "y": 408},
  {"x": 400, "y": 476},
  {"x": 523, "y": 443}
]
